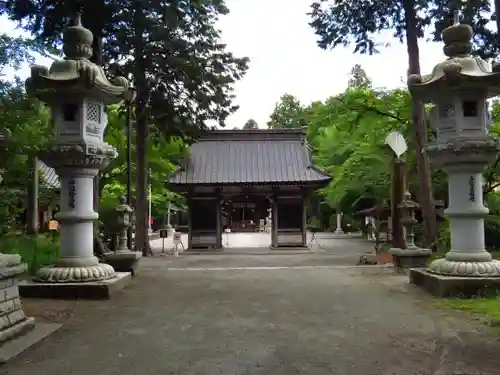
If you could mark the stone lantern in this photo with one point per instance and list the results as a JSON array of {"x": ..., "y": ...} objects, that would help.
[
  {"x": 123, "y": 221},
  {"x": 410, "y": 255},
  {"x": 123, "y": 259},
  {"x": 78, "y": 92},
  {"x": 458, "y": 89}
]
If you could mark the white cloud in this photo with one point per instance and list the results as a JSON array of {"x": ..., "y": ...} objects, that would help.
[{"x": 276, "y": 36}]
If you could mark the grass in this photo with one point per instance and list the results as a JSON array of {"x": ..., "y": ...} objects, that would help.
[
  {"x": 486, "y": 310},
  {"x": 36, "y": 251}
]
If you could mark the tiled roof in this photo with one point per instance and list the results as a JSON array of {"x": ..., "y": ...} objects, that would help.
[
  {"x": 250, "y": 157},
  {"x": 48, "y": 175}
]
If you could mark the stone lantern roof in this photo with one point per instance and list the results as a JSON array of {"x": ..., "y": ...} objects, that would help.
[
  {"x": 75, "y": 74},
  {"x": 460, "y": 70}
]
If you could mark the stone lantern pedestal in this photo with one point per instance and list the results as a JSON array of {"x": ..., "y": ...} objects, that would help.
[
  {"x": 78, "y": 93},
  {"x": 411, "y": 256},
  {"x": 459, "y": 88}
]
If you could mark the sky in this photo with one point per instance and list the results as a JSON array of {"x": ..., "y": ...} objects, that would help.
[{"x": 284, "y": 57}]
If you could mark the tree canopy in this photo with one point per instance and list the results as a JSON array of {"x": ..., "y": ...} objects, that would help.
[
  {"x": 251, "y": 124},
  {"x": 288, "y": 114},
  {"x": 170, "y": 50},
  {"x": 359, "y": 22}
]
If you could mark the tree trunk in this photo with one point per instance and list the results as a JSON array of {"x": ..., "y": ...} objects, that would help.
[
  {"x": 420, "y": 129},
  {"x": 141, "y": 190},
  {"x": 497, "y": 17},
  {"x": 32, "y": 207}
]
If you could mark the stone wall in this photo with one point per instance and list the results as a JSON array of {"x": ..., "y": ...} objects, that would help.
[{"x": 13, "y": 322}]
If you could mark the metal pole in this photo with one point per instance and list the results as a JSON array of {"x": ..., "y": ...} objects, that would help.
[{"x": 129, "y": 168}]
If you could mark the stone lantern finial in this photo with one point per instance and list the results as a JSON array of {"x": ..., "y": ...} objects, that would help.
[
  {"x": 457, "y": 38},
  {"x": 77, "y": 40}
]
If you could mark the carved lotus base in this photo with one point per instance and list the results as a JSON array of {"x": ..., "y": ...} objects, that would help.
[
  {"x": 466, "y": 269},
  {"x": 55, "y": 274}
]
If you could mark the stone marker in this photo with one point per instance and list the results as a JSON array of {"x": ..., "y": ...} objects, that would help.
[
  {"x": 78, "y": 92},
  {"x": 459, "y": 88}
]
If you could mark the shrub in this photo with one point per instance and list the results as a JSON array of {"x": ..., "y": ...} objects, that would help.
[
  {"x": 314, "y": 223},
  {"x": 492, "y": 231},
  {"x": 36, "y": 251}
]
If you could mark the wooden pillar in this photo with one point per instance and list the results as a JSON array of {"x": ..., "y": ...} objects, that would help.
[
  {"x": 219, "y": 222},
  {"x": 190, "y": 222},
  {"x": 274, "y": 222},
  {"x": 397, "y": 193},
  {"x": 304, "y": 222}
]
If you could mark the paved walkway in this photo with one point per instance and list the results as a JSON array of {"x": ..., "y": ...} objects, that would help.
[{"x": 208, "y": 315}]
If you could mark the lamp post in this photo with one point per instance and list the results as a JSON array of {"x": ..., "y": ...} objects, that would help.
[{"x": 129, "y": 98}]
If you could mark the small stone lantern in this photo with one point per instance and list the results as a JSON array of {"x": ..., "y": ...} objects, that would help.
[
  {"x": 78, "y": 92},
  {"x": 458, "y": 88},
  {"x": 124, "y": 221},
  {"x": 123, "y": 259},
  {"x": 410, "y": 256}
]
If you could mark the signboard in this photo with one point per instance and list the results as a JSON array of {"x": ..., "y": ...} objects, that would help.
[
  {"x": 163, "y": 233},
  {"x": 53, "y": 225},
  {"x": 177, "y": 238}
]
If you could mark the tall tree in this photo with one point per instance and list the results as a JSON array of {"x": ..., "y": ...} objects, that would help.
[
  {"x": 288, "y": 113},
  {"x": 358, "y": 77},
  {"x": 251, "y": 124},
  {"x": 358, "y": 22},
  {"x": 170, "y": 49}
]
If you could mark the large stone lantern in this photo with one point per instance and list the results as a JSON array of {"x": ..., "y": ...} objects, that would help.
[
  {"x": 78, "y": 92},
  {"x": 458, "y": 89}
]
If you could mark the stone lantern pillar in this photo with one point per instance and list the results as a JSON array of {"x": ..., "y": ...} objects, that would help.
[
  {"x": 458, "y": 89},
  {"x": 78, "y": 92}
]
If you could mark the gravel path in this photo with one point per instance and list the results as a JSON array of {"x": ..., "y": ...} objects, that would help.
[{"x": 178, "y": 319}]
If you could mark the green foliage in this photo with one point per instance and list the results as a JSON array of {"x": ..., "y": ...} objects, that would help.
[
  {"x": 36, "y": 251},
  {"x": 354, "y": 125},
  {"x": 492, "y": 232},
  {"x": 14, "y": 51},
  {"x": 23, "y": 118},
  {"x": 251, "y": 124},
  {"x": 314, "y": 223},
  {"x": 179, "y": 43},
  {"x": 288, "y": 113},
  {"x": 164, "y": 155},
  {"x": 358, "y": 77},
  {"x": 359, "y": 22}
]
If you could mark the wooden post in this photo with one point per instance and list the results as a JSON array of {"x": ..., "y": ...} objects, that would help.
[
  {"x": 274, "y": 223},
  {"x": 304, "y": 222},
  {"x": 397, "y": 193},
  {"x": 219, "y": 226},
  {"x": 190, "y": 222}
]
